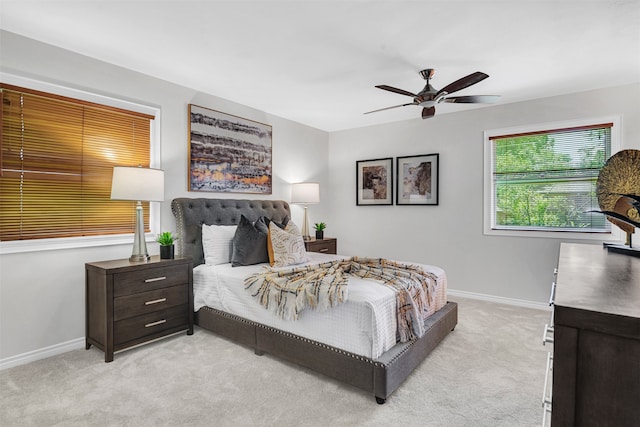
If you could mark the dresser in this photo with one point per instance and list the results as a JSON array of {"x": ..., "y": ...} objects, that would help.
[
  {"x": 130, "y": 303},
  {"x": 596, "y": 338},
  {"x": 328, "y": 245}
]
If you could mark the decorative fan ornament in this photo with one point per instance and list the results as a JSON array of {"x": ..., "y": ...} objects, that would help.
[
  {"x": 618, "y": 191},
  {"x": 428, "y": 97}
]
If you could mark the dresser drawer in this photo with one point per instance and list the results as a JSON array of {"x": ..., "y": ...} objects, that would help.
[
  {"x": 149, "y": 279},
  {"x": 147, "y": 324},
  {"x": 148, "y": 302}
]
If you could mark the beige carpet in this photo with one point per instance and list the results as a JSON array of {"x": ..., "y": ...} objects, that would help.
[{"x": 488, "y": 372}]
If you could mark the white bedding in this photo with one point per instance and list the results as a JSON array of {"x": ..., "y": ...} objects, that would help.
[{"x": 365, "y": 324}]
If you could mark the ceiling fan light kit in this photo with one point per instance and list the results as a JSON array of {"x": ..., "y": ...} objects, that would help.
[{"x": 429, "y": 97}]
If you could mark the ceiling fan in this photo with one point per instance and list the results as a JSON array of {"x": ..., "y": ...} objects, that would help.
[{"x": 429, "y": 97}]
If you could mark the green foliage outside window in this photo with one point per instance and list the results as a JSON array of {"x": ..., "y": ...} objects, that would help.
[{"x": 548, "y": 180}]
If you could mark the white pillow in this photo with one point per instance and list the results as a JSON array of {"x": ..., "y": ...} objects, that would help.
[
  {"x": 217, "y": 243},
  {"x": 286, "y": 247}
]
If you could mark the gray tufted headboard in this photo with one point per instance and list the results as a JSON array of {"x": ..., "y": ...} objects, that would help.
[{"x": 192, "y": 213}]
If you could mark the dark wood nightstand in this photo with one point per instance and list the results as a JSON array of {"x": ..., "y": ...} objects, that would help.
[
  {"x": 131, "y": 303},
  {"x": 328, "y": 245}
]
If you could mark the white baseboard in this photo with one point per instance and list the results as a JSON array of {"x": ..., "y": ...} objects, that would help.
[
  {"x": 499, "y": 300},
  {"x": 43, "y": 353}
]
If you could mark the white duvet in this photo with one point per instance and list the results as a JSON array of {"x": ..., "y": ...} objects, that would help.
[{"x": 365, "y": 324}]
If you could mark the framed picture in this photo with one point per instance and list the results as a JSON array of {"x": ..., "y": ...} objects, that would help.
[
  {"x": 417, "y": 180},
  {"x": 228, "y": 154},
  {"x": 374, "y": 182}
]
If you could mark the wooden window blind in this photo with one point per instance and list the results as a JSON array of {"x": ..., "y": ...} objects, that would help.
[{"x": 56, "y": 162}]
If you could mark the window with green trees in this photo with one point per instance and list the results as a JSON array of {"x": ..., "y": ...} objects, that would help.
[{"x": 546, "y": 180}]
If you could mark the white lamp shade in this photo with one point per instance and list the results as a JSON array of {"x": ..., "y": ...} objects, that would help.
[
  {"x": 135, "y": 183},
  {"x": 305, "y": 192}
]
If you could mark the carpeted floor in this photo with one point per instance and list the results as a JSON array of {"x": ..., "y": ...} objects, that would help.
[{"x": 488, "y": 372}]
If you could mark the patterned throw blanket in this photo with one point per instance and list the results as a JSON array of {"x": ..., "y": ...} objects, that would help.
[{"x": 288, "y": 291}]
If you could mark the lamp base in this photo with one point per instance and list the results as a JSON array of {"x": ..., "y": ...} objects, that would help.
[
  {"x": 305, "y": 226},
  {"x": 139, "y": 253},
  {"x": 139, "y": 258}
]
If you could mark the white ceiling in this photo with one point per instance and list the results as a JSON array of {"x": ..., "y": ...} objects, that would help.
[{"x": 316, "y": 62}]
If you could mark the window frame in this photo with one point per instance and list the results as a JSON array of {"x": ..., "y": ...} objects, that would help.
[
  {"x": 489, "y": 199},
  {"x": 32, "y": 245}
]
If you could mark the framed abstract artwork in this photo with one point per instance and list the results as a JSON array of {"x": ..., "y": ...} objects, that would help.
[
  {"x": 374, "y": 182},
  {"x": 228, "y": 154},
  {"x": 417, "y": 180}
]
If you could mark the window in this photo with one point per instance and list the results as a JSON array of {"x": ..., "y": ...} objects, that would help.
[
  {"x": 56, "y": 160},
  {"x": 543, "y": 179}
]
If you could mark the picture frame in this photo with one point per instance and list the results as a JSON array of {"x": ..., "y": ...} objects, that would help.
[
  {"x": 228, "y": 154},
  {"x": 418, "y": 180},
  {"x": 374, "y": 182}
]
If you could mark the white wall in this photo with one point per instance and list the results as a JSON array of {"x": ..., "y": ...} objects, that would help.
[
  {"x": 451, "y": 234},
  {"x": 42, "y": 293}
]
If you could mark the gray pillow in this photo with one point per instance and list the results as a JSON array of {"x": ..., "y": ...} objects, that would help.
[{"x": 250, "y": 243}]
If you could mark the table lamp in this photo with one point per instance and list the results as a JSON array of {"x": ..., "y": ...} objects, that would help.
[
  {"x": 139, "y": 184},
  {"x": 305, "y": 193}
]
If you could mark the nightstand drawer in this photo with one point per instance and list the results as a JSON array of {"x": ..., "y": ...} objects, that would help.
[
  {"x": 128, "y": 303},
  {"x": 147, "y": 324},
  {"x": 326, "y": 246},
  {"x": 148, "y": 302},
  {"x": 143, "y": 280}
]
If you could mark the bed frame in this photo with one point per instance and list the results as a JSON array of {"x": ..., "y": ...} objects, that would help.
[{"x": 379, "y": 376}]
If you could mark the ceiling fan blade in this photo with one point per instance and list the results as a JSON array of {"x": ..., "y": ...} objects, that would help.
[
  {"x": 427, "y": 113},
  {"x": 472, "y": 99},
  {"x": 389, "y": 108},
  {"x": 464, "y": 82},
  {"x": 396, "y": 90}
]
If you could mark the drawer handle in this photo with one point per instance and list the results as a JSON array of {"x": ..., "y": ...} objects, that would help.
[
  {"x": 545, "y": 414},
  {"x": 155, "y": 279},
  {"x": 324, "y": 250},
  {"x": 155, "y": 301},
  {"x": 547, "y": 400},
  {"x": 545, "y": 337},
  {"x": 552, "y": 297},
  {"x": 159, "y": 322}
]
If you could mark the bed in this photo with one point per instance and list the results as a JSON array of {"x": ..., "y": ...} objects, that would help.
[{"x": 372, "y": 363}]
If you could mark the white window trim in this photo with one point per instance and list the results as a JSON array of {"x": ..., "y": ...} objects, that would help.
[
  {"x": 89, "y": 241},
  {"x": 488, "y": 218}
]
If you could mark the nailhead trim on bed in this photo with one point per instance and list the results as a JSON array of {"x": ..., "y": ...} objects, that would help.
[
  {"x": 407, "y": 346},
  {"x": 290, "y": 335},
  {"x": 179, "y": 215},
  {"x": 373, "y": 362},
  {"x": 318, "y": 344}
]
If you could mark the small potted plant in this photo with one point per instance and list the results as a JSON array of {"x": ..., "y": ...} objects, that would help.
[
  {"x": 320, "y": 226},
  {"x": 166, "y": 241}
]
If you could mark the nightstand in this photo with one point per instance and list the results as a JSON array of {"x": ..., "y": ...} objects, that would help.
[
  {"x": 129, "y": 303},
  {"x": 328, "y": 245}
]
